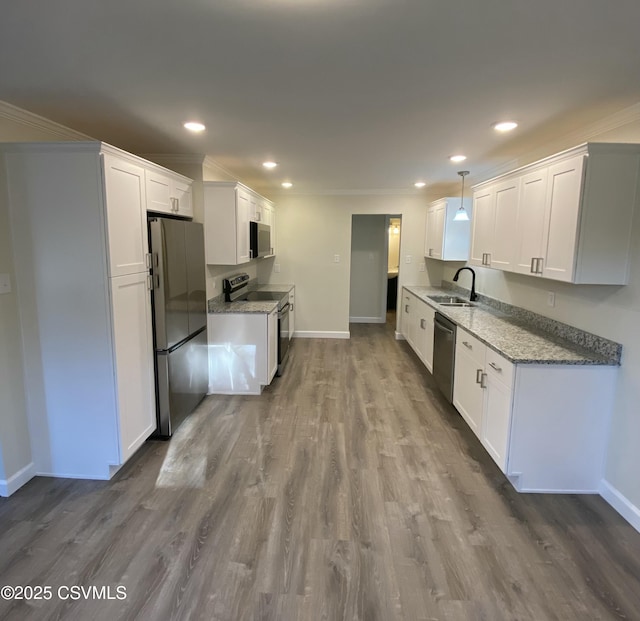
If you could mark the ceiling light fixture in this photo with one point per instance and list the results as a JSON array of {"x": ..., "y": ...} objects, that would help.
[
  {"x": 462, "y": 214},
  {"x": 419, "y": 184},
  {"x": 458, "y": 158},
  {"x": 194, "y": 126},
  {"x": 287, "y": 184},
  {"x": 505, "y": 126},
  {"x": 269, "y": 164}
]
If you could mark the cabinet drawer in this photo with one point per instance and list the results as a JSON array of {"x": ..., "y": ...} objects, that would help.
[
  {"x": 474, "y": 347},
  {"x": 499, "y": 368}
]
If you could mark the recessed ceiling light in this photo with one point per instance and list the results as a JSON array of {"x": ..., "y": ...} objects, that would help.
[
  {"x": 287, "y": 184},
  {"x": 419, "y": 184},
  {"x": 458, "y": 158},
  {"x": 194, "y": 126},
  {"x": 269, "y": 164},
  {"x": 505, "y": 126}
]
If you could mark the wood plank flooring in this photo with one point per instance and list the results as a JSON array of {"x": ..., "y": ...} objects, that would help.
[{"x": 348, "y": 490}]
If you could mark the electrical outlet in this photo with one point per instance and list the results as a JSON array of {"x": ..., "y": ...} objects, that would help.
[
  {"x": 276, "y": 268},
  {"x": 336, "y": 258},
  {"x": 422, "y": 267},
  {"x": 551, "y": 298}
]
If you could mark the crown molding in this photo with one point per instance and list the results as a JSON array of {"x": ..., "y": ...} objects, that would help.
[
  {"x": 565, "y": 142},
  {"x": 29, "y": 119},
  {"x": 175, "y": 158}
]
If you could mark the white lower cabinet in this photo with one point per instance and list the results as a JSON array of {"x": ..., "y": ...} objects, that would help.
[
  {"x": 292, "y": 312},
  {"x": 545, "y": 425},
  {"x": 243, "y": 352},
  {"x": 133, "y": 344},
  {"x": 416, "y": 325}
]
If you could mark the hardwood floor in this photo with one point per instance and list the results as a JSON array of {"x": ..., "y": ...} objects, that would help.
[{"x": 348, "y": 490}]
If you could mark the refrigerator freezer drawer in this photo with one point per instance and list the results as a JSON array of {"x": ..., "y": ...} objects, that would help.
[{"x": 183, "y": 378}]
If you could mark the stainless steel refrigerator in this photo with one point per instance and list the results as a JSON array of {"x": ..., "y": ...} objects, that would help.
[{"x": 180, "y": 319}]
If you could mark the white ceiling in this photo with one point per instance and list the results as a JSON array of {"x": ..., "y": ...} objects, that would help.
[{"x": 346, "y": 95}]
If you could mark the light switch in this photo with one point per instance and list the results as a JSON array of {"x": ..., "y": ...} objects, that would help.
[
  {"x": 336, "y": 258},
  {"x": 5, "y": 283},
  {"x": 551, "y": 298},
  {"x": 276, "y": 268}
]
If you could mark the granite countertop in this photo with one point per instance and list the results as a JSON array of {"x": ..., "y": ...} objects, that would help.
[
  {"x": 217, "y": 305},
  {"x": 512, "y": 337}
]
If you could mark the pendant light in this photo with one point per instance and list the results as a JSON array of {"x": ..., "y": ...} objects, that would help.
[{"x": 462, "y": 214}]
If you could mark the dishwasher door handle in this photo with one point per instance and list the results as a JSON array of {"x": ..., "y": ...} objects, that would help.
[{"x": 442, "y": 328}]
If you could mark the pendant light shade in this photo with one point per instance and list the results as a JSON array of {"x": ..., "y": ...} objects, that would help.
[{"x": 462, "y": 214}]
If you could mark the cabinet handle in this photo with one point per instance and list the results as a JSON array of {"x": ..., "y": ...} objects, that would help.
[
  {"x": 423, "y": 323},
  {"x": 157, "y": 281},
  {"x": 148, "y": 260},
  {"x": 539, "y": 265},
  {"x": 250, "y": 253},
  {"x": 430, "y": 252},
  {"x": 479, "y": 376},
  {"x": 291, "y": 307},
  {"x": 467, "y": 345},
  {"x": 150, "y": 282},
  {"x": 533, "y": 263},
  {"x": 406, "y": 308},
  {"x": 495, "y": 367},
  {"x": 483, "y": 376},
  {"x": 488, "y": 259}
]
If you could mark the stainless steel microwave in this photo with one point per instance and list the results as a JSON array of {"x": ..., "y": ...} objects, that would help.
[{"x": 259, "y": 240}]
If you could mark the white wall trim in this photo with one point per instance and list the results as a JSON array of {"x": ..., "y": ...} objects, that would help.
[
  {"x": 15, "y": 482},
  {"x": 305, "y": 334},
  {"x": 367, "y": 319},
  {"x": 621, "y": 504},
  {"x": 400, "y": 336},
  {"x": 29, "y": 119}
]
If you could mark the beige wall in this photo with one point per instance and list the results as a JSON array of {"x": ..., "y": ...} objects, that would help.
[
  {"x": 15, "y": 445},
  {"x": 312, "y": 229},
  {"x": 609, "y": 311}
]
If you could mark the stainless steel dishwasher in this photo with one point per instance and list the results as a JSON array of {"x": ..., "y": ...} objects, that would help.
[{"x": 444, "y": 353}]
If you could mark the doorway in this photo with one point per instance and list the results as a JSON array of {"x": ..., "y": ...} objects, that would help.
[{"x": 375, "y": 264}]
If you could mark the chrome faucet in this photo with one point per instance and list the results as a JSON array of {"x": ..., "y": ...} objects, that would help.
[{"x": 473, "y": 295}]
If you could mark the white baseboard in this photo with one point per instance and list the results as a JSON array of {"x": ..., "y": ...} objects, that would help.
[
  {"x": 367, "y": 320},
  {"x": 400, "y": 336},
  {"x": 15, "y": 482},
  {"x": 304, "y": 334},
  {"x": 621, "y": 504}
]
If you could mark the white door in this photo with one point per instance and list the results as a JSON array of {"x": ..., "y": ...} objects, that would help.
[
  {"x": 496, "y": 423},
  {"x": 482, "y": 225},
  {"x": 507, "y": 194},
  {"x": 468, "y": 394},
  {"x": 126, "y": 217},
  {"x": 531, "y": 219},
  {"x": 158, "y": 187},
  {"x": 133, "y": 344},
  {"x": 243, "y": 210},
  {"x": 561, "y": 222}
]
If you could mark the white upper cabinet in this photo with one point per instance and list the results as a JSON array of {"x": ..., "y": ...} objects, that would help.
[
  {"x": 228, "y": 209},
  {"x": 126, "y": 217},
  {"x": 572, "y": 218},
  {"x": 445, "y": 238},
  {"x": 495, "y": 211},
  {"x": 169, "y": 193}
]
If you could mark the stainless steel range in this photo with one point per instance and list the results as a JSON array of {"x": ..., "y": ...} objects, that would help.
[{"x": 235, "y": 289}]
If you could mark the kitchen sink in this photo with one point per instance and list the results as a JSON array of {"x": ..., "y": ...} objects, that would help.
[{"x": 450, "y": 300}]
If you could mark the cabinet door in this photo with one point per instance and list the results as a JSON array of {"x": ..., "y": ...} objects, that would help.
[
  {"x": 133, "y": 344},
  {"x": 183, "y": 198},
  {"x": 158, "y": 187},
  {"x": 468, "y": 393},
  {"x": 406, "y": 318},
  {"x": 435, "y": 230},
  {"x": 502, "y": 247},
  {"x": 243, "y": 211},
  {"x": 561, "y": 221},
  {"x": 272, "y": 343},
  {"x": 425, "y": 331},
  {"x": 496, "y": 422},
  {"x": 531, "y": 221},
  {"x": 292, "y": 313},
  {"x": 483, "y": 225},
  {"x": 126, "y": 216}
]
